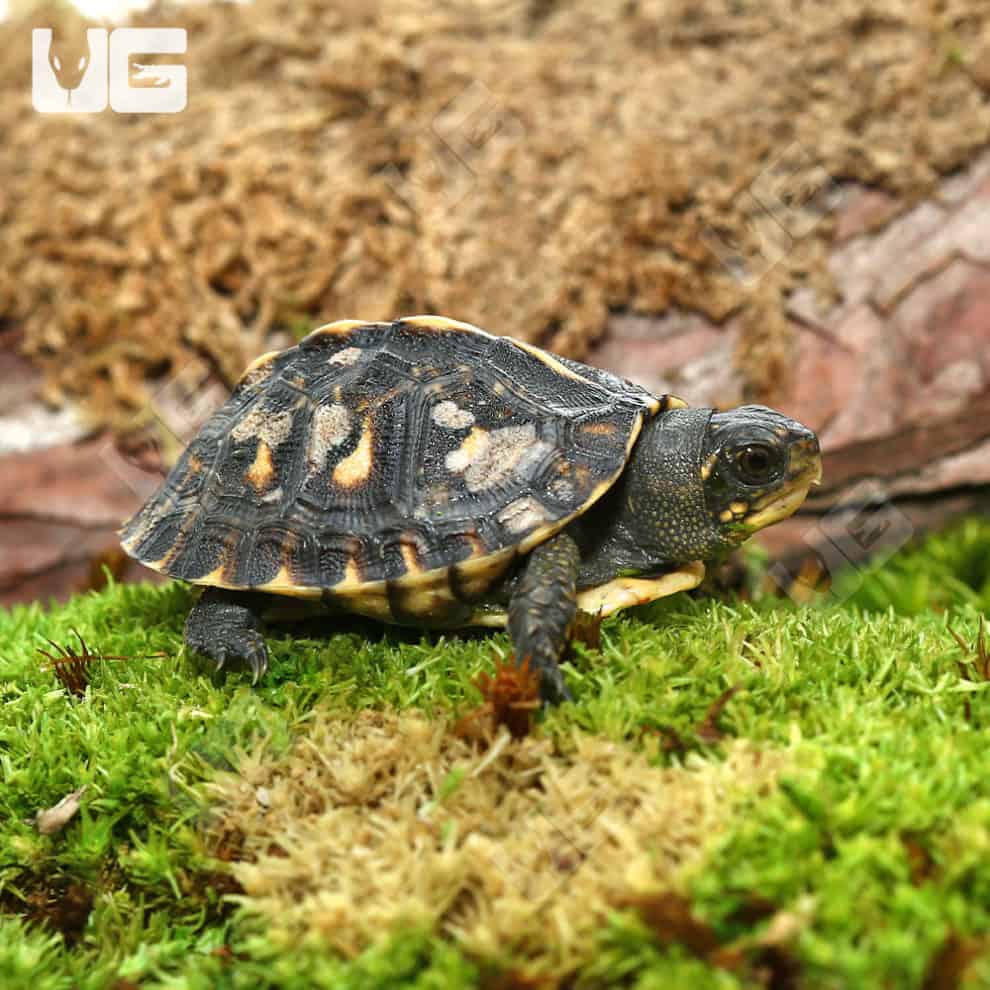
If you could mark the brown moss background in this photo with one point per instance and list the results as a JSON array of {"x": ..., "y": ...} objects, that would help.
[{"x": 527, "y": 166}]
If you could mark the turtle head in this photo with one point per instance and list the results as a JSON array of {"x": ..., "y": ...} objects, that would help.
[
  {"x": 756, "y": 468},
  {"x": 700, "y": 482}
]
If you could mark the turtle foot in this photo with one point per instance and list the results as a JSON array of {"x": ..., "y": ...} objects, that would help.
[{"x": 223, "y": 627}]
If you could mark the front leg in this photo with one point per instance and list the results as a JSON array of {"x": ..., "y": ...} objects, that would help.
[
  {"x": 223, "y": 625},
  {"x": 542, "y": 609}
]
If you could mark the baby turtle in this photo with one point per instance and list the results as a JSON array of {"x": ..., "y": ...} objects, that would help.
[{"x": 427, "y": 473}]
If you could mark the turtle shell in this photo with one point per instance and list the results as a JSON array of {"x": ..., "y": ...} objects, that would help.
[{"x": 399, "y": 467}]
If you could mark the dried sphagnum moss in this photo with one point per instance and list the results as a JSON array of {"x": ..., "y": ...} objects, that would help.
[
  {"x": 524, "y": 165},
  {"x": 379, "y": 822}
]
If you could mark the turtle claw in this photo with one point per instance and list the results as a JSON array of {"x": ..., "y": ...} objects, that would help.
[
  {"x": 258, "y": 661},
  {"x": 241, "y": 650},
  {"x": 223, "y": 627},
  {"x": 245, "y": 650}
]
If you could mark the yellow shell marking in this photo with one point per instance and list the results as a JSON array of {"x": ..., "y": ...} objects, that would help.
[
  {"x": 355, "y": 469},
  {"x": 410, "y": 558},
  {"x": 261, "y": 473},
  {"x": 475, "y": 575},
  {"x": 331, "y": 426},
  {"x": 141, "y": 527},
  {"x": 472, "y": 447},
  {"x": 550, "y": 361},
  {"x": 442, "y": 323},
  {"x": 215, "y": 577},
  {"x": 337, "y": 328},
  {"x": 477, "y": 544},
  {"x": 283, "y": 584},
  {"x": 352, "y": 573},
  {"x": 486, "y": 458}
]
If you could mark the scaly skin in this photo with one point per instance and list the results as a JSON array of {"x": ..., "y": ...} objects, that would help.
[
  {"x": 542, "y": 609},
  {"x": 223, "y": 625}
]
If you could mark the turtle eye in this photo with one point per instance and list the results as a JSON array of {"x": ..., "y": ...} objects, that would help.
[{"x": 757, "y": 464}]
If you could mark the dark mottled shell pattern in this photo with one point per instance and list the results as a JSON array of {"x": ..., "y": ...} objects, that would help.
[{"x": 400, "y": 467}]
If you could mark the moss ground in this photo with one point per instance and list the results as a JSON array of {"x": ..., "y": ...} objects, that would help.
[{"x": 865, "y": 862}]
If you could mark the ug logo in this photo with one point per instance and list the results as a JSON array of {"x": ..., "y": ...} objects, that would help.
[{"x": 69, "y": 78}]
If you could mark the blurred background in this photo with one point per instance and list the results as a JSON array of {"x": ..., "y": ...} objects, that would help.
[{"x": 734, "y": 200}]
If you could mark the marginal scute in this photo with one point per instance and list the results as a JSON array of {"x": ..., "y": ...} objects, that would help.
[
  {"x": 259, "y": 369},
  {"x": 216, "y": 578},
  {"x": 475, "y": 576},
  {"x": 352, "y": 573},
  {"x": 416, "y": 600},
  {"x": 370, "y": 599},
  {"x": 410, "y": 555},
  {"x": 285, "y": 584}
]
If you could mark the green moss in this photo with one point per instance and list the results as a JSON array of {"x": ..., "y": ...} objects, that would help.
[{"x": 881, "y": 837}]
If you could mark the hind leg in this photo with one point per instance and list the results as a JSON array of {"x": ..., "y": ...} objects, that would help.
[{"x": 223, "y": 625}]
